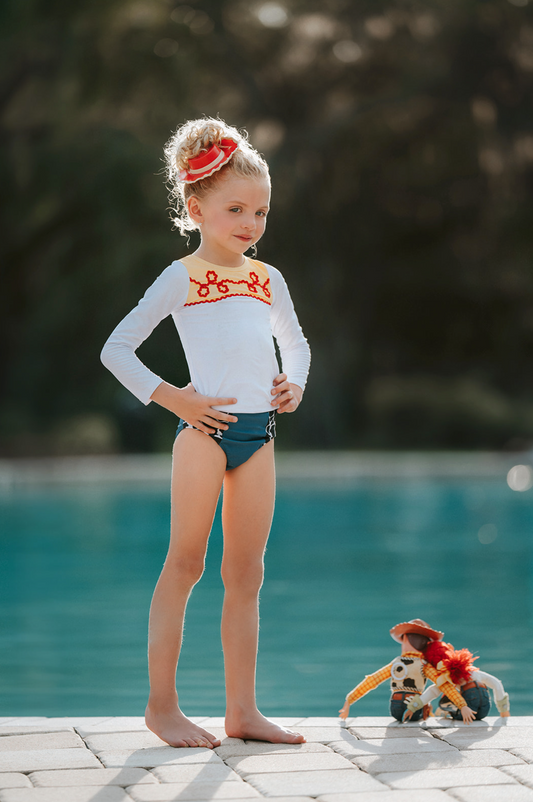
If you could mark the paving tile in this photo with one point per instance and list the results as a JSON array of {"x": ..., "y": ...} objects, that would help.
[
  {"x": 377, "y": 764},
  {"x": 116, "y": 724},
  {"x": 110, "y": 793},
  {"x": 74, "y": 721},
  {"x": 511, "y": 721},
  {"x": 82, "y": 777},
  {"x": 30, "y": 729},
  {"x": 524, "y": 752},
  {"x": 390, "y": 746},
  {"x": 445, "y": 778},
  {"x": 45, "y": 740},
  {"x": 262, "y": 748},
  {"x": 493, "y": 793},
  {"x": 186, "y": 792},
  {"x": 524, "y": 774},
  {"x": 317, "y": 721},
  {"x": 325, "y": 735},
  {"x": 427, "y": 795},
  {"x": 120, "y": 741},
  {"x": 214, "y": 721},
  {"x": 162, "y": 756},
  {"x": 14, "y": 780},
  {"x": 196, "y": 772},
  {"x": 367, "y": 733},
  {"x": 295, "y": 799},
  {"x": 119, "y": 724},
  {"x": 443, "y": 724},
  {"x": 258, "y": 764},
  {"x": 42, "y": 759},
  {"x": 370, "y": 721},
  {"x": 491, "y": 738},
  {"x": 312, "y": 783}
]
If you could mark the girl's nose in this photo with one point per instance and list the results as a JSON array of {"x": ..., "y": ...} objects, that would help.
[{"x": 248, "y": 223}]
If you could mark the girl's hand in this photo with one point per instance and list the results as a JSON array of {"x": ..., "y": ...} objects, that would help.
[
  {"x": 288, "y": 396},
  {"x": 345, "y": 709},
  {"x": 193, "y": 407}
]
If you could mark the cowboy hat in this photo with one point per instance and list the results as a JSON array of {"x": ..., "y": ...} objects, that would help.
[{"x": 415, "y": 625}]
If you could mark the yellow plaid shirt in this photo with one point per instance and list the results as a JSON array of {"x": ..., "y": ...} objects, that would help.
[{"x": 372, "y": 681}]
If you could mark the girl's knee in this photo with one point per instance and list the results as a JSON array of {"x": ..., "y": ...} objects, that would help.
[
  {"x": 244, "y": 578},
  {"x": 186, "y": 569}
]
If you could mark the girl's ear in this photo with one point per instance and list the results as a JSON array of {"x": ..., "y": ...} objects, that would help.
[{"x": 193, "y": 207}]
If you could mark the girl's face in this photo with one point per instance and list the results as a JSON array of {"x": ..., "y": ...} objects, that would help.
[{"x": 232, "y": 218}]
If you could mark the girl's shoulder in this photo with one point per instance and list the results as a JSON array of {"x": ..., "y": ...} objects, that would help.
[
  {"x": 170, "y": 286},
  {"x": 275, "y": 275}
]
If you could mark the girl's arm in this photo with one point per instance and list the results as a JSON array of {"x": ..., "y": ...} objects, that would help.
[
  {"x": 193, "y": 407},
  {"x": 294, "y": 348},
  {"x": 168, "y": 292},
  {"x": 288, "y": 396}
]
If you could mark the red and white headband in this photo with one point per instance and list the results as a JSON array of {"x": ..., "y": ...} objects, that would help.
[{"x": 209, "y": 162}]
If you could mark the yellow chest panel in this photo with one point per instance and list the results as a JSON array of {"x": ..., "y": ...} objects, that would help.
[{"x": 210, "y": 283}]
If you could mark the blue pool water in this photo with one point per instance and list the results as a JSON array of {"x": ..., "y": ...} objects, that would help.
[{"x": 344, "y": 564}]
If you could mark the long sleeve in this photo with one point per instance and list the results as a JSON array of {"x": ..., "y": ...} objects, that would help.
[
  {"x": 370, "y": 682},
  {"x": 492, "y": 682},
  {"x": 441, "y": 680},
  {"x": 167, "y": 292},
  {"x": 431, "y": 692},
  {"x": 294, "y": 348}
]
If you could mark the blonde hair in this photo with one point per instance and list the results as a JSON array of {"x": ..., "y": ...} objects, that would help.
[{"x": 193, "y": 138}]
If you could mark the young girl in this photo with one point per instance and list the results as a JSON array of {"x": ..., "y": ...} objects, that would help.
[{"x": 226, "y": 307}]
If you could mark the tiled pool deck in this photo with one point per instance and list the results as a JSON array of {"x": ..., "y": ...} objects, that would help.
[{"x": 119, "y": 760}]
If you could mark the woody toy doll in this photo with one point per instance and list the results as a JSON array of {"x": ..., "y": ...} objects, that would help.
[{"x": 408, "y": 674}]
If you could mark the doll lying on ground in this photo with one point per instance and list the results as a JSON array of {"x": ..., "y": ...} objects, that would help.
[
  {"x": 457, "y": 667},
  {"x": 408, "y": 674}
]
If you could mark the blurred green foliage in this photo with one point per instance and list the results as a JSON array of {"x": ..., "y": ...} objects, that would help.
[{"x": 400, "y": 139}]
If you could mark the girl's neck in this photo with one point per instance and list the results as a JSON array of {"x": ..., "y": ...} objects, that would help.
[{"x": 222, "y": 260}]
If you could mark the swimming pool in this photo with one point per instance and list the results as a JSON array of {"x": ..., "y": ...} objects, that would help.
[{"x": 344, "y": 564}]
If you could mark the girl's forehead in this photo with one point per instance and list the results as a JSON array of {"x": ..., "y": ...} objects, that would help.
[{"x": 252, "y": 190}]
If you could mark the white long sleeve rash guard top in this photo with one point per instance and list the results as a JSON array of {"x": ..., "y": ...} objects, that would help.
[{"x": 226, "y": 318}]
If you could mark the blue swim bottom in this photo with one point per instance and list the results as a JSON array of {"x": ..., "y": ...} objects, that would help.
[{"x": 242, "y": 438}]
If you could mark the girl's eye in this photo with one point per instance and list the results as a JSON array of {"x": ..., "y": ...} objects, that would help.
[
  {"x": 235, "y": 209},
  {"x": 261, "y": 214}
]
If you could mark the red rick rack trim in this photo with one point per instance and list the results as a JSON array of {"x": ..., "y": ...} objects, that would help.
[{"x": 214, "y": 284}]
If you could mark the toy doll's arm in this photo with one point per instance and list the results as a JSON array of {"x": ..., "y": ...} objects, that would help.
[
  {"x": 370, "y": 682},
  {"x": 500, "y": 697},
  {"x": 442, "y": 681},
  {"x": 431, "y": 692}
]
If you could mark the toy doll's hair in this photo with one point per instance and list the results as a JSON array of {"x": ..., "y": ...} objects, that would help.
[
  {"x": 192, "y": 139},
  {"x": 459, "y": 663},
  {"x": 436, "y": 651}
]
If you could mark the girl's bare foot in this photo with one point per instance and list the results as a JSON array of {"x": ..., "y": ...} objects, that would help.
[
  {"x": 255, "y": 727},
  {"x": 175, "y": 729}
]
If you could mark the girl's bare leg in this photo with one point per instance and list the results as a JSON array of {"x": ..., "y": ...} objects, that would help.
[
  {"x": 246, "y": 517},
  {"x": 197, "y": 474}
]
